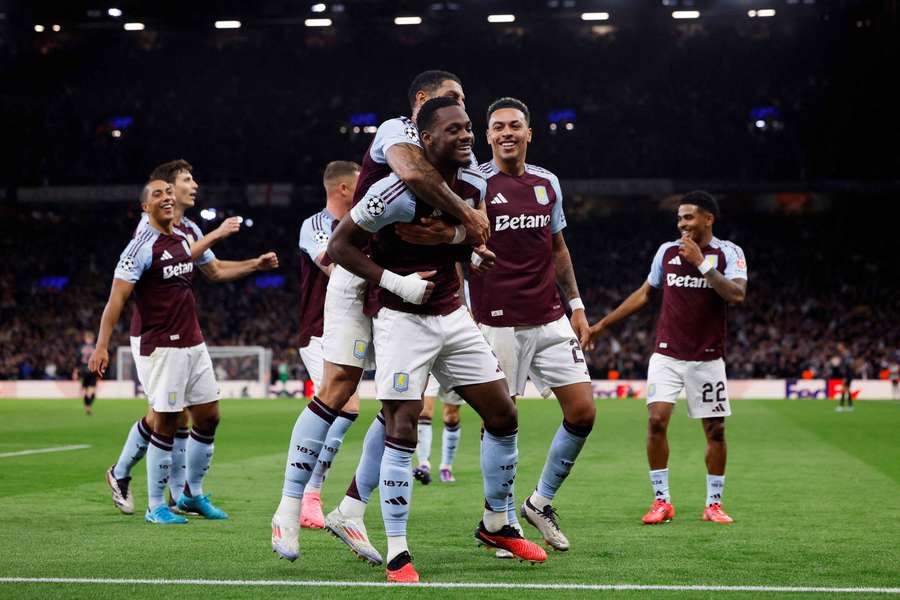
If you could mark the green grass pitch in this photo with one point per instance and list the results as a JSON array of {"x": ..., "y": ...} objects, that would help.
[{"x": 815, "y": 495}]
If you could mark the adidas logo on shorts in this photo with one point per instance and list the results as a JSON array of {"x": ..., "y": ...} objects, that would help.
[{"x": 718, "y": 409}]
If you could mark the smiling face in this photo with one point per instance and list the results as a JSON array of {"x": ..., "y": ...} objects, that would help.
[
  {"x": 185, "y": 189},
  {"x": 158, "y": 201},
  {"x": 695, "y": 222},
  {"x": 508, "y": 134},
  {"x": 448, "y": 140}
]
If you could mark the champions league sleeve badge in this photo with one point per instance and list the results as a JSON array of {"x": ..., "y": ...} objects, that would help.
[{"x": 375, "y": 206}]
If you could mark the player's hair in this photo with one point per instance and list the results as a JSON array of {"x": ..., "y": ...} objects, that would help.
[
  {"x": 168, "y": 171},
  {"x": 508, "y": 102},
  {"x": 703, "y": 200},
  {"x": 428, "y": 81},
  {"x": 428, "y": 112},
  {"x": 337, "y": 169}
]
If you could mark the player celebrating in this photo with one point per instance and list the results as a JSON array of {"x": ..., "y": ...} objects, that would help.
[
  {"x": 347, "y": 332},
  {"x": 700, "y": 276},
  {"x": 315, "y": 267},
  {"x": 518, "y": 307},
  {"x": 189, "y": 448},
  {"x": 421, "y": 326},
  {"x": 83, "y": 373}
]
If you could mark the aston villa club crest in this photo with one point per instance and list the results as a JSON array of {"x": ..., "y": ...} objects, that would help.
[
  {"x": 359, "y": 349},
  {"x": 401, "y": 382},
  {"x": 540, "y": 193}
]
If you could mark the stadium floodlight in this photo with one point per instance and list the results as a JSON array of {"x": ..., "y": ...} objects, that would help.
[
  {"x": 134, "y": 26},
  {"x": 317, "y": 22},
  {"x": 114, "y": 12},
  {"x": 208, "y": 214},
  {"x": 408, "y": 21},
  {"x": 501, "y": 18},
  {"x": 318, "y": 8},
  {"x": 370, "y": 129},
  {"x": 228, "y": 24},
  {"x": 686, "y": 14},
  {"x": 595, "y": 16},
  {"x": 56, "y": 28},
  {"x": 765, "y": 12},
  {"x": 39, "y": 28}
]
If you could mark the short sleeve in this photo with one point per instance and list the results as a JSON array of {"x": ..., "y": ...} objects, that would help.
[
  {"x": 207, "y": 255},
  {"x": 656, "y": 267},
  {"x": 313, "y": 241},
  {"x": 735, "y": 262},
  {"x": 391, "y": 132},
  {"x": 373, "y": 212},
  {"x": 557, "y": 215},
  {"x": 135, "y": 259}
]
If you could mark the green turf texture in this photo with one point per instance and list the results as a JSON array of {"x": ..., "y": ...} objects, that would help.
[{"x": 815, "y": 495}]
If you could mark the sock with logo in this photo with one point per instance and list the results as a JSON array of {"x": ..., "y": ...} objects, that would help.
[
  {"x": 715, "y": 488},
  {"x": 659, "y": 479},
  {"x": 423, "y": 448},
  {"x": 159, "y": 464},
  {"x": 178, "y": 475},
  {"x": 333, "y": 441},
  {"x": 307, "y": 440},
  {"x": 449, "y": 444},
  {"x": 200, "y": 448},
  {"x": 395, "y": 488},
  {"x": 499, "y": 458},
  {"x": 367, "y": 470},
  {"x": 564, "y": 449},
  {"x": 134, "y": 449}
]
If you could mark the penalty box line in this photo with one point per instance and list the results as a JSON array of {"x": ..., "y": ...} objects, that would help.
[
  {"x": 460, "y": 585},
  {"x": 44, "y": 450}
]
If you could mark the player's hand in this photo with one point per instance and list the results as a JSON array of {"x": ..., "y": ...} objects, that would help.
[
  {"x": 594, "y": 333},
  {"x": 487, "y": 259},
  {"x": 478, "y": 227},
  {"x": 580, "y": 326},
  {"x": 228, "y": 227},
  {"x": 689, "y": 250},
  {"x": 98, "y": 361},
  {"x": 427, "y": 232},
  {"x": 429, "y": 285},
  {"x": 267, "y": 261}
]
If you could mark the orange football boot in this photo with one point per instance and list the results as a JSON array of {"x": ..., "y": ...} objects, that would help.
[
  {"x": 509, "y": 538},
  {"x": 661, "y": 512},
  {"x": 715, "y": 514},
  {"x": 401, "y": 569}
]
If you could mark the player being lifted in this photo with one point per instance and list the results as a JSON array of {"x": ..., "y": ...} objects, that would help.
[
  {"x": 190, "y": 449},
  {"x": 700, "y": 275},
  {"x": 315, "y": 267},
  {"x": 517, "y": 304},
  {"x": 347, "y": 332},
  {"x": 421, "y": 326}
]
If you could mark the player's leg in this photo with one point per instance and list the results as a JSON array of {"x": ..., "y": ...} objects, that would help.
[
  {"x": 848, "y": 381},
  {"x": 707, "y": 398},
  {"x": 422, "y": 472},
  {"x": 664, "y": 382},
  {"x": 178, "y": 476},
  {"x": 451, "y": 434},
  {"x": 118, "y": 477},
  {"x": 89, "y": 386}
]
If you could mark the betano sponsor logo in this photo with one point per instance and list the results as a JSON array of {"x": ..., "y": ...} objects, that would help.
[
  {"x": 685, "y": 281},
  {"x": 176, "y": 270},
  {"x": 522, "y": 221}
]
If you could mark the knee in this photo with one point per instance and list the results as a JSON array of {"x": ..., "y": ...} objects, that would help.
[
  {"x": 207, "y": 423},
  {"x": 503, "y": 423},
  {"x": 582, "y": 416},
  {"x": 451, "y": 414},
  {"x": 656, "y": 425},
  {"x": 715, "y": 432}
]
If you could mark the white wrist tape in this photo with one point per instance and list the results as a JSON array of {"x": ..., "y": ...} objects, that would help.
[
  {"x": 576, "y": 304},
  {"x": 476, "y": 260},
  {"x": 459, "y": 235},
  {"x": 411, "y": 287},
  {"x": 705, "y": 267}
]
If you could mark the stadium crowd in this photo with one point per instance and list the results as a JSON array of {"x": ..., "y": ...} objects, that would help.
[{"x": 815, "y": 281}]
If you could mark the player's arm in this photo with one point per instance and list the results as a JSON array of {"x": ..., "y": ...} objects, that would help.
[
  {"x": 731, "y": 286},
  {"x": 565, "y": 277},
  {"x": 228, "y": 227},
  {"x": 221, "y": 271},
  {"x": 352, "y": 235},
  {"x": 407, "y": 161},
  {"x": 636, "y": 301},
  {"x": 118, "y": 296}
]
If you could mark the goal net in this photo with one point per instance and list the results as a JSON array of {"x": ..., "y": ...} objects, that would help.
[{"x": 241, "y": 371}]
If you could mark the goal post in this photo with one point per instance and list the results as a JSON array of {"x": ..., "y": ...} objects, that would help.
[{"x": 241, "y": 371}]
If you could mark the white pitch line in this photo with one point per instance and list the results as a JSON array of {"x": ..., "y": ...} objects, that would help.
[
  {"x": 461, "y": 585},
  {"x": 45, "y": 450}
]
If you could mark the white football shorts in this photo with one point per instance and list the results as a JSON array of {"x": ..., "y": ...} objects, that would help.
[
  {"x": 347, "y": 332},
  {"x": 703, "y": 382},
  {"x": 311, "y": 355},
  {"x": 408, "y": 347},
  {"x": 178, "y": 378},
  {"x": 550, "y": 353},
  {"x": 436, "y": 390},
  {"x": 140, "y": 362}
]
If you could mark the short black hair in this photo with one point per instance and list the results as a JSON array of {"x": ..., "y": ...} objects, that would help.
[
  {"x": 428, "y": 112},
  {"x": 703, "y": 200},
  {"x": 169, "y": 171},
  {"x": 428, "y": 81},
  {"x": 508, "y": 102}
]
